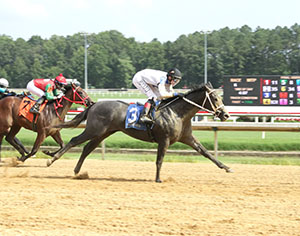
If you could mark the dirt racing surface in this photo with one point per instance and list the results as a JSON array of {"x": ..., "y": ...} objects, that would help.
[{"x": 121, "y": 198}]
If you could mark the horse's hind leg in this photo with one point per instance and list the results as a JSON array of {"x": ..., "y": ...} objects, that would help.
[
  {"x": 84, "y": 136},
  {"x": 16, "y": 143},
  {"x": 192, "y": 142},
  {"x": 88, "y": 148}
]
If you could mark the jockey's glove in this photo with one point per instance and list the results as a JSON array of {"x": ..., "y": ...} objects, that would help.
[
  {"x": 60, "y": 95},
  {"x": 181, "y": 95}
]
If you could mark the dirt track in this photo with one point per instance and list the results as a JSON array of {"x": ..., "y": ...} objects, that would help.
[{"x": 121, "y": 198}]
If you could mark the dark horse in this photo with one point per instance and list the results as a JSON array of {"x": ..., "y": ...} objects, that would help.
[
  {"x": 54, "y": 113},
  {"x": 172, "y": 124}
]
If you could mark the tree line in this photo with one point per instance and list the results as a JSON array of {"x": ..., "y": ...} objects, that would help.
[{"x": 113, "y": 59}]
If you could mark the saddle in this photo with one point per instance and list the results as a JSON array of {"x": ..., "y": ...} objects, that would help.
[
  {"x": 134, "y": 112},
  {"x": 26, "y": 104},
  {"x": 3, "y": 95}
]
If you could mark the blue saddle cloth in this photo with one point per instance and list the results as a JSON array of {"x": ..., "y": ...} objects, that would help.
[{"x": 133, "y": 115}]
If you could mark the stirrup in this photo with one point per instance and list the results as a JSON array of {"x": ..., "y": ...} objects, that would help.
[
  {"x": 146, "y": 120},
  {"x": 34, "y": 110}
]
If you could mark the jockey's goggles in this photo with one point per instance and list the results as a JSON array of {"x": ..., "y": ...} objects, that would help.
[{"x": 176, "y": 79}]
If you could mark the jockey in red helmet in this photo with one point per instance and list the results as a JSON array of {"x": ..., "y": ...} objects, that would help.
[
  {"x": 60, "y": 81},
  {"x": 46, "y": 89}
]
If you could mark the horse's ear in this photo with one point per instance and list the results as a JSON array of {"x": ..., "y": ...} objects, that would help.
[
  {"x": 76, "y": 83},
  {"x": 73, "y": 85},
  {"x": 208, "y": 84}
]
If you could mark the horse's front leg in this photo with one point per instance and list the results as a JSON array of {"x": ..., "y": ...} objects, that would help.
[
  {"x": 38, "y": 141},
  {"x": 195, "y": 144},
  {"x": 88, "y": 148},
  {"x": 161, "y": 151},
  {"x": 57, "y": 138}
]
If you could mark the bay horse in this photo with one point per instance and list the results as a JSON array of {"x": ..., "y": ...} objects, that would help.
[
  {"x": 172, "y": 124},
  {"x": 53, "y": 113}
]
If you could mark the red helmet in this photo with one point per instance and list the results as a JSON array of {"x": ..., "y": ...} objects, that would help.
[{"x": 61, "y": 80}]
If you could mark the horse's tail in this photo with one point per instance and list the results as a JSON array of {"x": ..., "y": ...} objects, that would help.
[{"x": 75, "y": 121}]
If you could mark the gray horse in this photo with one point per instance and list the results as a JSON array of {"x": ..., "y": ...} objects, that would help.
[{"x": 172, "y": 123}]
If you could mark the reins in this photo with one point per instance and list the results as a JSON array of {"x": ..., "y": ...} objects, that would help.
[
  {"x": 168, "y": 103},
  {"x": 195, "y": 104},
  {"x": 75, "y": 93},
  {"x": 74, "y": 96},
  {"x": 207, "y": 98}
]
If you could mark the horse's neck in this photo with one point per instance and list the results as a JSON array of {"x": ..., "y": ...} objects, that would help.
[
  {"x": 187, "y": 110},
  {"x": 64, "y": 107}
]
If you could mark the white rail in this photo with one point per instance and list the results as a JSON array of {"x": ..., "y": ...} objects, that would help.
[{"x": 201, "y": 122}]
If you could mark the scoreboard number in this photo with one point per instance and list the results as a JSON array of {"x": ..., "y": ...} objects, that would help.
[{"x": 262, "y": 91}]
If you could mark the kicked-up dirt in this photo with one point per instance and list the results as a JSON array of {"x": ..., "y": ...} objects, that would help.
[{"x": 120, "y": 198}]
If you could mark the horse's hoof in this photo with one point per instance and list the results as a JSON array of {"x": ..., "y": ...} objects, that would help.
[
  {"x": 24, "y": 158},
  {"x": 229, "y": 170},
  {"x": 49, "y": 163},
  {"x": 46, "y": 152}
]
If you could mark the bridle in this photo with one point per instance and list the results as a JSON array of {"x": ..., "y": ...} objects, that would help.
[
  {"x": 215, "y": 110},
  {"x": 75, "y": 93}
]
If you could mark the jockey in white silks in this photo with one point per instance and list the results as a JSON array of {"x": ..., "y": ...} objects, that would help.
[{"x": 156, "y": 85}]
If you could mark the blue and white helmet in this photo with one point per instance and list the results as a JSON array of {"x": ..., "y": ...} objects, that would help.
[{"x": 4, "y": 83}]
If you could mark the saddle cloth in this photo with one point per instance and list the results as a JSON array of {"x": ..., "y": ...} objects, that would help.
[
  {"x": 25, "y": 106},
  {"x": 133, "y": 115}
]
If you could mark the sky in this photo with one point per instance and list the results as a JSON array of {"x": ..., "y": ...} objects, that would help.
[{"x": 144, "y": 20}]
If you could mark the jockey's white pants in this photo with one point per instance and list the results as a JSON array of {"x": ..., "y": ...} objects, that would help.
[
  {"x": 147, "y": 89},
  {"x": 35, "y": 90}
]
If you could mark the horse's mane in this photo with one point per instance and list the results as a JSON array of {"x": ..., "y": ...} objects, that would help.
[
  {"x": 68, "y": 87},
  {"x": 194, "y": 88}
]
